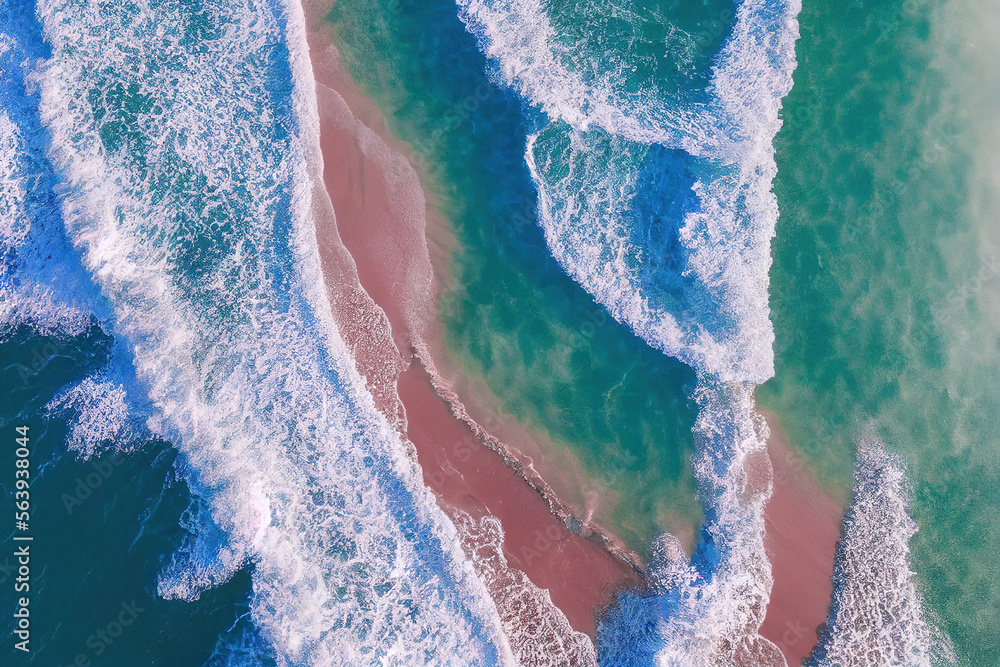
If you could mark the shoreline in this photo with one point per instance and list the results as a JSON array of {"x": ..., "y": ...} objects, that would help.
[
  {"x": 381, "y": 224},
  {"x": 802, "y": 527},
  {"x": 397, "y": 244},
  {"x": 552, "y": 467}
]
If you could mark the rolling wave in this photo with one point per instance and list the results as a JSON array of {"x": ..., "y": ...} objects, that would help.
[
  {"x": 877, "y": 615},
  {"x": 187, "y": 194},
  {"x": 42, "y": 283},
  {"x": 611, "y": 217},
  {"x": 658, "y": 203},
  {"x": 707, "y": 611}
]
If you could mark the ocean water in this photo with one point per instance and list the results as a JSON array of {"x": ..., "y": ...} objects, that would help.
[
  {"x": 265, "y": 511},
  {"x": 885, "y": 278},
  {"x": 619, "y": 178},
  {"x": 883, "y": 189}
]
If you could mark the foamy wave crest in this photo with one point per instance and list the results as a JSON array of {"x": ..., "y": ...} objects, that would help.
[
  {"x": 540, "y": 635},
  {"x": 208, "y": 557},
  {"x": 877, "y": 616},
  {"x": 672, "y": 247},
  {"x": 99, "y": 416},
  {"x": 533, "y": 58},
  {"x": 737, "y": 112},
  {"x": 707, "y": 612},
  {"x": 658, "y": 204},
  {"x": 13, "y": 193},
  {"x": 41, "y": 282},
  {"x": 183, "y": 134}
]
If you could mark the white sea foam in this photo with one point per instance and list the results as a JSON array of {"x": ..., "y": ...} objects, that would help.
[
  {"x": 99, "y": 417},
  {"x": 707, "y": 612},
  {"x": 877, "y": 616},
  {"x": 188, "y": 195},
  {"x": 540, "y": 635},
  {"x": 520, "y": 37},
  {"x": 41, "y": 284},
  {"x": 659, "y": 205},
  {"x": 13, "y": 220},
  {"x": 240, "y": 646},
  {"x": 690, "y": 277},
  {"x": 751, "y": 75},
  {"x": 709, "y": 307}
]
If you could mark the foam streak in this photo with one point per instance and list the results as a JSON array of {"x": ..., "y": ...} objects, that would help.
[{"x": 182, "y": 136}]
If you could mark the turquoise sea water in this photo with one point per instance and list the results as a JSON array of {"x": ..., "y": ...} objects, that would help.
[
  {"x": 884, "y": 260},
  {"x": 102, "y": 529},
  {"x": 203, "y": 451},
  {"x": 556, "y": 360},
  {"x": 885, "y": 278}
]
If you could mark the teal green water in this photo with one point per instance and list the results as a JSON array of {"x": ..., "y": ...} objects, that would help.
[
  {"x": 664, "y": 42},
  {"x": 554, "y": 359},
  {"x": 102, "y": 529},
  {"x": 885, "y": 260},
  {"x": 884, "y": 282}
]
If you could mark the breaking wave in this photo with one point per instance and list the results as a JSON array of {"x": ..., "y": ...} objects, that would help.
[
  {"x": 707, "y": 611},
  {"x": 42, "y": 284},
  {"x": 877, "y": 615},
  {"x": 187, "y": 195},
  {"x": 658, "y": 204},
  {"x": 98, "y": 413}
]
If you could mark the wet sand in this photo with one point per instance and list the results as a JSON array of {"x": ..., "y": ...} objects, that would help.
[
  {"x": 381, "y": 214},
  {"x": 580, "y": 575},
  {"x": 385, "y": 222},
  {"x": 802, "y": 528}
]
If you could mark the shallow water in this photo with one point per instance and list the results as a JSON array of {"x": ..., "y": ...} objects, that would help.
[
  {"x": 552, "y": 356},
  {"x": 886, "y": 267},
  {"x": 194, "y": 415}
]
